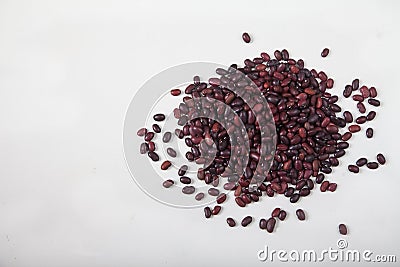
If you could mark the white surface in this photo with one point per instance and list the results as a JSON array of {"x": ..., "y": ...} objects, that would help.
[{"x": 68, "y": 70}]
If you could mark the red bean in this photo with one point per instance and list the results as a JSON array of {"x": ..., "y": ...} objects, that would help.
[
  {"x": 188, "y": 190},
  {"x": 332, "y": 187},
  {"x": 240, "y": 202},
  {"x": 361, "y": 119},
  {"x": 176, "y": 92},
  {"x": 381, "y": 159},
  {"x": 361, "y": 107},
  {"x": 156, "y": 128},
  {"x": 358, "y": 98},
  {"x": 207, "y": 212},
  {"x": 346, "y": 136},
  {"x": 372, "y": 165},
  {"x": 141, "y": 132},
  {"x": 213, "y": 192},
  {"x": 364, "y": 91},
  {"x": 221, "y": 198},
  {"x": 300, "y": 214},
  {"x": 282, "y": 215},
  {"x": 168, "y": 183},
  {"x": 348, "y": 117},
  {"x": 371, "y": 115},
  {"x": 347, "y": 91},
  {"x": 369, "y": 132},
  {"x": 165, "y": 165},
  {"x": 374, "y": 102},
  {"x": 246, "y": 37},
  {"x": 159, "y": 117},
  {"x": 167, "y": 137},
  {"x": 199, "y": 196},
  {"x": 353, "y": 168},
  {"x": 263, "y": 224},
  {"x": 355, "y": 84},
  {"x": 231, "y": 222},
  {"x": 246, "y": 221},
  {"x": 342, "y": 229},
  {"x": 325, "y": 52},
  {"x": 149, "y": 136},
  {"x": 216, "y": 210},
  {"x": 153, "y": 156},
  {"x": 361, "y": 162},
  {"x": 324, "y": 186},
  {"x": 354, "y": 128},
  {"x": 275, "y": 212},
  {"x": 270, "y": 224},
  {"x": 372, "y": 92}
]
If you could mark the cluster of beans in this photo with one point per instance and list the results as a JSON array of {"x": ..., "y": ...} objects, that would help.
[
  {"x": 370, "y": 164},
  {"x": 306, "y": 119},
  {"x": 305, "y": 115}
]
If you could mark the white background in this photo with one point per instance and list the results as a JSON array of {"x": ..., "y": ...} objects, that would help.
[{"x": 68, "y": 70}]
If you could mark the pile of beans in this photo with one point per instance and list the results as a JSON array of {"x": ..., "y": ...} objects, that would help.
[{"x": 306, "y": 122}]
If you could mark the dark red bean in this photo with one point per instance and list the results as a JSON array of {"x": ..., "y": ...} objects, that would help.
[
  {"x": 270, "y": 224},
  {"x": 329, "y": 83},
  {"x": 358, "y": 98},
  {"x": 182, "y": 170},
  {"x": 354, "y": 128},
  {"x": 188, "y": 189},
  {"x": 278, "y": 55},
  {"x": 185, "y": 180},
  {"x": 361, "y": 107},
  {"x": 263, "y": 224},
  {"x": 167, "y": 137},
  {"x": 342, "y": 229},
  {"x": 372, "y": 92},
  {"x": 282, "y": 215},
  {"x": 246, "y": 221},
  {"x": 199, "y": 196},
  {"x": 165, "y": 165},
  {"x": 361, "y": 162},
  {"x": 240, "y": 202},
  {"x": 207, "y": 212},
  {"x": 348, "y": 117},
  {"x": 374, "y": 102},
  {"x": 179, "y": 133},
  {"x": 216, "y": 210},
  {"x": 300, "y": 214},
  {"x": 324, "y": 186},
  {"x": 153, "y": 156},
  {"x": 371, "y": 115},
  {"x": 149, "y": 136},
  {"x": 144, "y": 148},
  {"x": 231, "y": 222},
  {"x": 141, "y": 132},
  {"x": 361, "y": 119},
  {"x": 369, "y": 132},
  {"x": 372, "y": 165},
  {"x": 355, "y": 84},
  {"x": 152, "y": 146},
  {"x": 347, "y": 91},
  {"x": 176, "y": 92},
  {"x": 168, "y": 183},
  {"x": 159, "y": 117},
  {"x": 364, "y": 91},
  {"x": 346, "y": 136},
  {"x": 332, "y": 187},
  {"x": 213, "y": 192},
  {"x": 294, "y": 198},
  {"x": 221, "y": 198},
  {"x": 246, "y": 37},
  {"x": 320, "y": 178},
  {"x": 275, "y": 212},
  {"x": 353, "y": 168},
  {"x": 171, "y": 152},
  {"x": 156, "y": 128},
  {"x": 325, "y": 52},
  {"x": 381, "y": 159}
]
